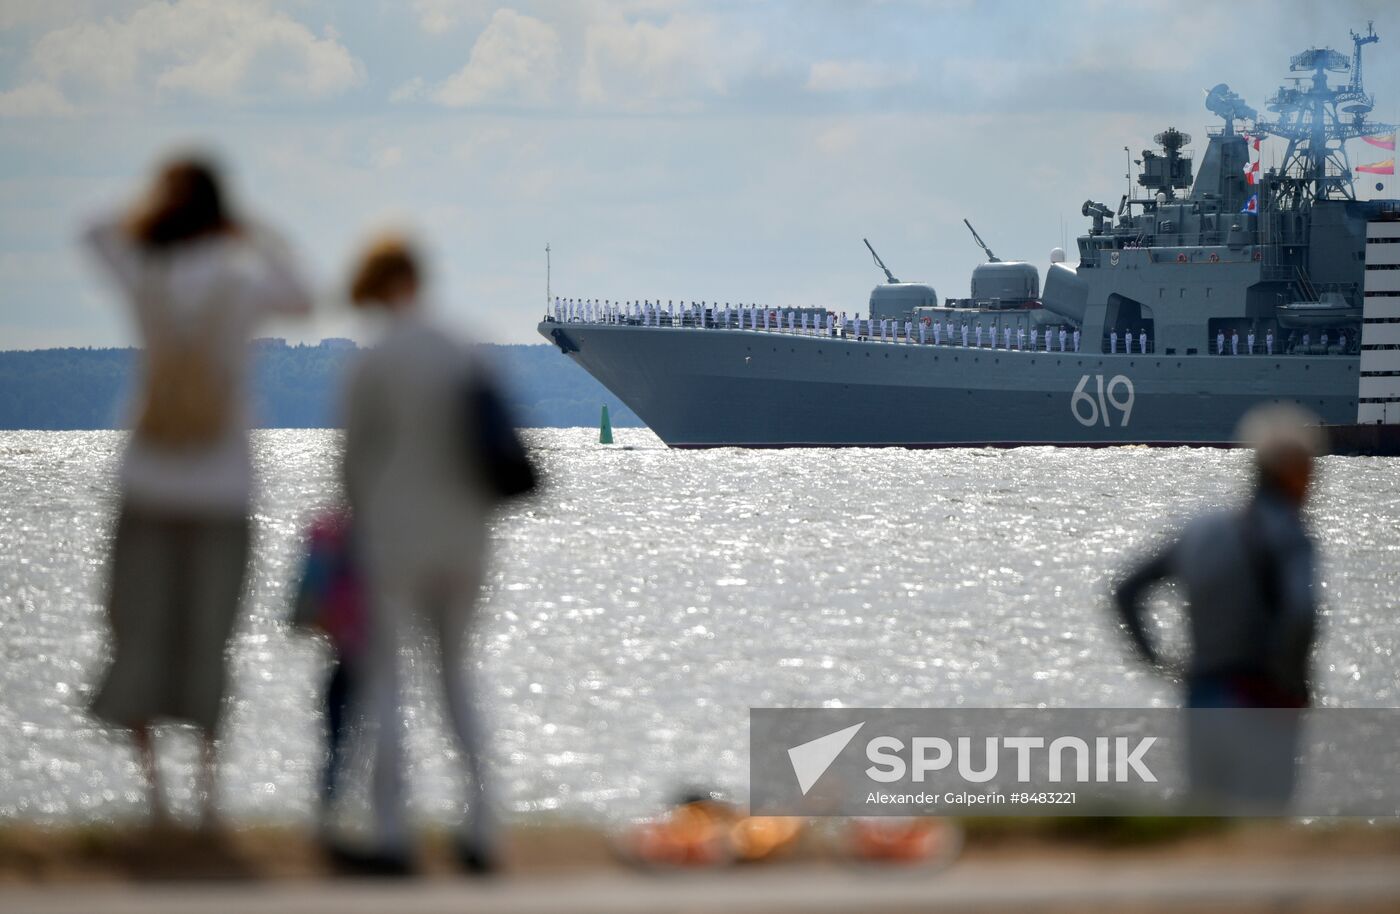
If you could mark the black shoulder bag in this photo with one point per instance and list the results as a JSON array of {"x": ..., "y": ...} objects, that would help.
[{"x": 498, "y": 456}]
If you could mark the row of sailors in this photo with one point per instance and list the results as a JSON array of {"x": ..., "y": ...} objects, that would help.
[
  {"x": 754, "y": 318},
  {"x": 1232, "y": 345}
]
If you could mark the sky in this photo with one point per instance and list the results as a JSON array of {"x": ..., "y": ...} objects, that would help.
[{"x": 663, "y": 149}]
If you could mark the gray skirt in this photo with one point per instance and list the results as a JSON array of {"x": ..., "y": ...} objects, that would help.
[{"x": 173, "y": 594}]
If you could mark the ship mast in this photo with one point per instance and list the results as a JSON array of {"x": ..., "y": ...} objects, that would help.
[{"x": 1317, "y": 119}]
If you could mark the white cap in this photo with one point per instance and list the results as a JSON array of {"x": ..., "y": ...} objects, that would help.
[{"x": 1280, "y": 432}]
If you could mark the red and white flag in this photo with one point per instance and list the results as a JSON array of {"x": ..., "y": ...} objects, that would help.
[{"x": 1251, "y": 172}]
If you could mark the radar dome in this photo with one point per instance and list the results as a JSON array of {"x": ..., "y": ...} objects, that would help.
[{"x": 1057, "y": 255}]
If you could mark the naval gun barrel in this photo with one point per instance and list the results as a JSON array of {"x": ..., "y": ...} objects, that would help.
[
  {"x": 992, "y": 258},
  {"x": 880, "y": 263}
]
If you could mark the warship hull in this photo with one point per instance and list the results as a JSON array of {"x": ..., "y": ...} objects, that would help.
[{"x": 704, "y": 388}]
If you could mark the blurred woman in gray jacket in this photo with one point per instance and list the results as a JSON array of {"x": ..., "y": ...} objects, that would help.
[{"x": 420, "y": 518}]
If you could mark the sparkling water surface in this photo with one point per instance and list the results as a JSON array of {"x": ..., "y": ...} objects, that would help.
[{"x": 648, "y": 598}]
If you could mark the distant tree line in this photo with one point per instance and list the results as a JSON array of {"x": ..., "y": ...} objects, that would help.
[{"x": 293, "y": 387}]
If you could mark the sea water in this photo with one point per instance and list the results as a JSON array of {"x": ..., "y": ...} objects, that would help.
[{"x": 647, "y": 598}]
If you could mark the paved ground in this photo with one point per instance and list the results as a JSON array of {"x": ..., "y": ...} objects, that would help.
[{"x": 1352, "y": 886}]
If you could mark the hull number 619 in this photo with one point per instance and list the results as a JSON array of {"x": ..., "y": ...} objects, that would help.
[{"x": 1091, "y": 408}]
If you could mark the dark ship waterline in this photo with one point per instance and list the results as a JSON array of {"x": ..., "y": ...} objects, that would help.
[{"x": 1220, "y": 287}]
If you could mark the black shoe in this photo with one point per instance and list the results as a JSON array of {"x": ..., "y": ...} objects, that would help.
[
  {"x": 476, "y": 860},
  {"x": 350, "y": 862}
]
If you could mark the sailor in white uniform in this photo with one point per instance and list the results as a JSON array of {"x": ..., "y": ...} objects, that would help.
[
  {"x": 979, "y": 336},
  {"x": 1249, "y": 343},
  {"x": 1142, "y": 341},
  {"x": 1034, "y": 333},
  {"x": 1269, "y": 342},
  {"x": 1113, "y": 343},
  {"x": 1076, "y": 339},
  {"x": 1007, "y": 335},
  {"x": 964, "y": 334},
  {"x": 1324, "y": 341},
  {"x": 909, "y": 331},
  {"x": 1062, "y": 339},
  {"x": 1020, "y": 337},
  {"x": 1234, "y": 342},
  {"x": 1220, "y": 342},
  {"x": 1128, "y": 341},
  {"x": 1342, "y": 341}
]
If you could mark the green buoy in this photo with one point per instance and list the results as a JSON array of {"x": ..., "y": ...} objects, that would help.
[{"x": 605, "y": 427}]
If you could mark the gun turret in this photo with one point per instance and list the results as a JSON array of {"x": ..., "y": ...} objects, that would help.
[
  {"x": 1099, "y": 212},
  {"x": 880, "y": 263},
  {"x": 992, "y": 258}
]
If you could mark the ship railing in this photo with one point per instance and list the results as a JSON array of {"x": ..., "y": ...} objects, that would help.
[{"x": 858, "y": 329}]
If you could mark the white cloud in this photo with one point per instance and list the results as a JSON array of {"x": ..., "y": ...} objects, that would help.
[
  {"x": 35, "y": 100},
  {"x": 640, "y": 64},
  {"x": 438, "y": 16},
  {"x": 410, "y": 91},
  {"x": 516, "y": 58},
  {"x": 857, "y": 75},
  {"x": 205, "y": 48},
  {"x": 389, "y": 157}
]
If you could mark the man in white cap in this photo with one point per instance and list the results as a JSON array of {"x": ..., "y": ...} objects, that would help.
[
  {"x": 1249, "y": 343},
  {"x": 1020, "y": 337},
  {"x": 1220, "y": 342},
  {"x": 1076, "y": 339},
  {"x": 1248, "y": 578},
  {"x": 1034, "y": 332},
  {"x": 1128, "y": 341},
  {"x": 1142, "y": 341},
  {"x": 1113, "y": 342},
  {"x": 1234, "y": 342},
  {"x": 1062, "y": 339},
  {"x": 1269, "y": 341}
]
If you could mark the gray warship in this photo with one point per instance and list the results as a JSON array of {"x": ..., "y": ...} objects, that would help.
[{"x": 1216, "y": 286}]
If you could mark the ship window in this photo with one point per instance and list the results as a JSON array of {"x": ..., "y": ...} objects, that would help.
[
  {"x": 1161, "y": 291},
  {"x": 1181, "y": 293},
  {"x": 1172, "y": 351},
  {"x": 1191, "y": 351},
  {"x": 1209, "y": 290}
]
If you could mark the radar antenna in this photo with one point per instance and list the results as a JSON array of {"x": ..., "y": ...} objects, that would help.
[
  {"x": 879, "y": 263},
  {"x": 992, "y": 258},
  {"x": 1317, "y": 119}
]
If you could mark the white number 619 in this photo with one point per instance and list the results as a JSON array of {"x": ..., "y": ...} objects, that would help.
[{"x": 1088, "y": 410}]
